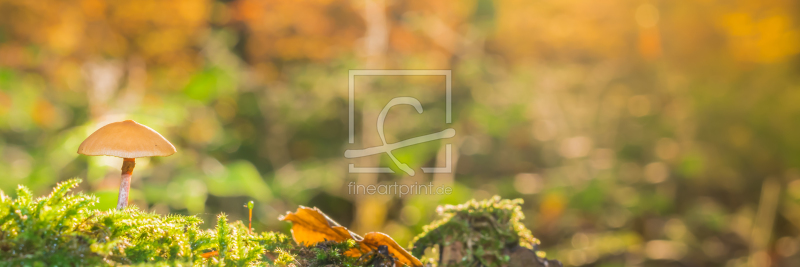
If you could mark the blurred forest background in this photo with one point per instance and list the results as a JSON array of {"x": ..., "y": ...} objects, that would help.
[{"x": 639, "y": 133}]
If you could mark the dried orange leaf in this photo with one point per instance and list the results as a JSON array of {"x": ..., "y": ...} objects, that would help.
[
  {"x": 209, "y": 254},
  {"x": 374, "y": 239},
  {"x": 311, "y": 226}
]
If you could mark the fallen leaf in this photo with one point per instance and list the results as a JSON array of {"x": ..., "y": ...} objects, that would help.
[
  {"x": 209, "y": 254},
  {"x": 374, "y": 239},
  {"x": 310, "y": 226}
]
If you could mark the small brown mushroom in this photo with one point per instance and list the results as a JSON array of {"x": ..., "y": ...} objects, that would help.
[{"x": 128, "y": 140}]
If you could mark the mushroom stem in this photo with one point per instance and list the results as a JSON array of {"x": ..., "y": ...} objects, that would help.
[{"x": 125, "y": 184}]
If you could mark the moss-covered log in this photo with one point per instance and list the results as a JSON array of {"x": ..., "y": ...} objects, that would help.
[{"x": 481, "y": 233}]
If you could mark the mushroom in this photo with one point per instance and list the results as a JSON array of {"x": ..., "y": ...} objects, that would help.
[{"x": 128, "y": 140}]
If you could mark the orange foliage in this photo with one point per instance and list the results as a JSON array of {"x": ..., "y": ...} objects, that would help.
[{"x": 311, "y": 226}]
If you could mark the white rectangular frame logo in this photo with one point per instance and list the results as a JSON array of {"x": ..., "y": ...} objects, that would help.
[{"x": 448, "y": 116}]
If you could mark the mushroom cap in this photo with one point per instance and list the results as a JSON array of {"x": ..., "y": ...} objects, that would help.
[{"x": 126, "y": 139}]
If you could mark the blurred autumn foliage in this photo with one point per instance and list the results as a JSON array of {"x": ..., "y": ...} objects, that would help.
[{"x": 639, "y": 133}]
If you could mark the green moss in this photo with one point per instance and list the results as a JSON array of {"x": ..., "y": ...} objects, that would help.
[
  {"x": 484, "y": 228},
  {"x": 60, "y": 229},
  {"x": 327, "y": 253},
  {"x": 331, "y": 253}
]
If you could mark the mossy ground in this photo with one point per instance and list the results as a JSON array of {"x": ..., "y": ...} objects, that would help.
[
  {"x": 61, "y": 229},
  {"x": 485, "y": 232}
]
